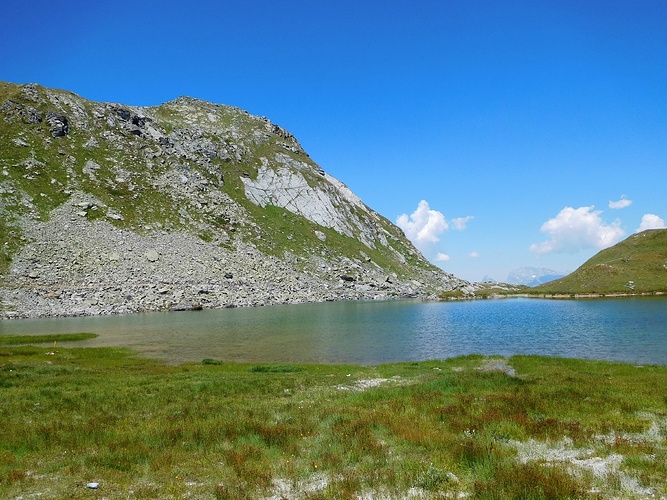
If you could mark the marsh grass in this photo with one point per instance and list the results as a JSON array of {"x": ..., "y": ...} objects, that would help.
[
  {"x": 43, "y": 339},
  {"x": 276, "y": 368},
  {"x": 143, "y": 429}
]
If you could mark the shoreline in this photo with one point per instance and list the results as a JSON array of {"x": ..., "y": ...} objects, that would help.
[
  {"x": 554, "y": 296},
  {"x": 351, "y": 295},
  {"x": 348, "y": 295},
  {"x": 590, "y": 295}
]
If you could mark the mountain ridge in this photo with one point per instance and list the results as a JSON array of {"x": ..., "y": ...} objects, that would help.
[{"x": 107, "y": 208}]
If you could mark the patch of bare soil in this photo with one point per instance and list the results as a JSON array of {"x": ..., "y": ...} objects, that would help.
[
  {"x": 497, "y": 365},
  {"x": 365, "y": 384},
  {"x": 581, "y": 460}
]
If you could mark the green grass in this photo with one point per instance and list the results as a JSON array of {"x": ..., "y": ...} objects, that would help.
[
  {"x": 276, "y": 368},
  {"x": 43, "y": 339},
  {"x": 288, "y": 232},
  {"x": 636, "y": 265},
  {"x": 226, "y": 430}
]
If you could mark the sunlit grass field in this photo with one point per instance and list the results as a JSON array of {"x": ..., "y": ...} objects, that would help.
[{"x": 479, "y": 427}]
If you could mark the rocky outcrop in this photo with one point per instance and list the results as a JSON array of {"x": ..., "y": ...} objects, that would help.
[
  {"x": 106, "y": 209},
  {"x": 58, "y": 123},
  {"x": 329, "y": 204}
]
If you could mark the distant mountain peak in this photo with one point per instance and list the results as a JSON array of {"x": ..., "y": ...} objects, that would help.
[{"x": 532, "y": 276}]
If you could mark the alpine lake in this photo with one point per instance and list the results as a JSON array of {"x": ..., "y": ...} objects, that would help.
[{"x": 632, "y": 330}]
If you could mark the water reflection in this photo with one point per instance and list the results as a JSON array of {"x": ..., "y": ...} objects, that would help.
[{"x": 633, "y": 330}]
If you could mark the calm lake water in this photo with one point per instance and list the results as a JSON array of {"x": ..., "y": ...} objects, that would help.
[{"x": 628, "y": 329}]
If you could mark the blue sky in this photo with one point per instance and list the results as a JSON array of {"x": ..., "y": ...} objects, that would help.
[{"x": 495, "y": 132}]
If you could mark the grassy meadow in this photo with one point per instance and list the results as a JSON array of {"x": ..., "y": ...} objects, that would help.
[{"x": 474, "y": 427}]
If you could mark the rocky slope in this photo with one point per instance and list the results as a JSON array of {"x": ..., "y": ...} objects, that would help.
[{"x": 106, "y": 208}]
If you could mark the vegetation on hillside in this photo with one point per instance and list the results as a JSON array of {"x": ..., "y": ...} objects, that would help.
[
  {"x": 523, "y": 427},
  {"x": 637, "y": 264}
]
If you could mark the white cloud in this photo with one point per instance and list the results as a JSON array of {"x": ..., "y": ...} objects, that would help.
[
  {"x": 424, "y": 226},
  {"x": 460, "y": 223},
  {"x": 576, "y": 229},
  {"x": 622, "y": 203},
  {"x": 473, "y": 255},
  {"x": 651, "y": 221},
  {"x": 441, "y": 257}
]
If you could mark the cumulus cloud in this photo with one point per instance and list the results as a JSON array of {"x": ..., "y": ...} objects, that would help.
[
  {"x": 622, "y": 203},
  {"x": 576, "y": 229},
  {"x": 441, "y": 257},
  {"x": 460, "y": 223},
  {"x": 424, "y": 226},
  {"x": 473, "y": 255},
  {"x": 651, "y": 221}
]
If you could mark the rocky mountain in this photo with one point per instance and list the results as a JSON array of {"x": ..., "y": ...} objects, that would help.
[
  {"x": 107, "y": 208},
  {"x": 532, "y": 276},
  {"x": 637, "y": 264}
]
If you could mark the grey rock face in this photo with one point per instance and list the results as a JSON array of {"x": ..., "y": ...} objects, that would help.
[
  {"x": 287, "y": 188},
  {"x": 16, "y": 110},
  {"x": 326, "y": 202}
]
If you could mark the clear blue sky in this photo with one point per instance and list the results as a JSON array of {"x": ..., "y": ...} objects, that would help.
[{"x": 516, "y": 122}]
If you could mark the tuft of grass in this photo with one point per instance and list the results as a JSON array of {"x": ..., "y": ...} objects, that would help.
[
  {"x": 452, "y": 294},
  {"x": 532, "y": 480},
  {"x": 209, "y": 361},
  {"x": 276, "y": 368}
]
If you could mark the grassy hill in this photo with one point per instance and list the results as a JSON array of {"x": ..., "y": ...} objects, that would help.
[{"x": 637, "y": 264}]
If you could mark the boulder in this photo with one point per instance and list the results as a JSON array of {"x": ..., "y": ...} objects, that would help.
[
  {"x": 152, "y": 255},
  {"x": 59, "y": 124}
]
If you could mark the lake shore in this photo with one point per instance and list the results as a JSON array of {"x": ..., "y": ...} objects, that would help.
[
  {"x": 610, "y": 295},
  {"x": 527, "y": 295}
]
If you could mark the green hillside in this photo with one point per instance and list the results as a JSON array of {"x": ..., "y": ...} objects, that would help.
[{"x": 637, "y": 264}]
